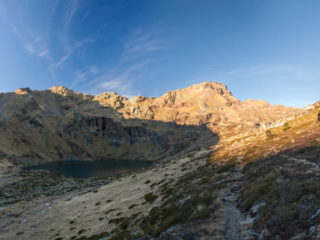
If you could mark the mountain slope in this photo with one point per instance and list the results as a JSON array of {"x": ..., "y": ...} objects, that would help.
[
  {"x": 62, "y": 124},
  {"x": 262, "y": 183},
  {"x": 207, "y": 103}
]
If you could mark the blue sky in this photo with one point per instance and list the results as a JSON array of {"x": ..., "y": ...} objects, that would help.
[{"x": 260, "y": 49}]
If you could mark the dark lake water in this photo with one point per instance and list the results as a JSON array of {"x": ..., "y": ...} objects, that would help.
[{"x": 87, "y": 169}]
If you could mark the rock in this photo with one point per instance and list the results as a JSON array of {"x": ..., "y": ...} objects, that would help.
[
  {"x": 23, "y": 91},
  {"x": 183, "y": 201},
  {"x": 315, "y": 215},
  {"x": 254, "y": 209}
]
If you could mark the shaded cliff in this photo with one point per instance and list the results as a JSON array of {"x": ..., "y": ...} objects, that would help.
[{"x": 60, "y": 124}]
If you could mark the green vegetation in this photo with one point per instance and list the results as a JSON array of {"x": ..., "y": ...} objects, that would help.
[
  {"x": 150, "y": 197},
  {"x": 286, "y": 126},
  {"x": 191, "y": 197},
  {"x": 289, "y": 192},
  {"x": 269, "y": 134}
]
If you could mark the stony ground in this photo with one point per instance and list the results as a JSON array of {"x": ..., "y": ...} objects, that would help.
[
  {"x": 91, "y": 211},
  {"x": 191, "y": 197}
]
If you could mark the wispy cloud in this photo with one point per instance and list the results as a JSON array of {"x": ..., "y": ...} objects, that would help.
[
  {"x": 141, "y": 43},
  {"x": 54, "y": 66},
  {"x": 69, "y": 51},
  {"x": 258, "y": 73},
  {"x": 70, "y": 9},
  {"x": 121, "y": 74},
  {"x": 37, "y": 47},
  {"x": 120, "y": 80},
  {"x": 85, "y": 75},
  {"x": 144, "y": 42},
  {"x": 119, "y": 85},
  {"x": 56, "y": 50}
]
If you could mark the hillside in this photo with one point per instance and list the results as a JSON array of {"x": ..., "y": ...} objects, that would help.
[
  {"x": 59, "y": 123},
  {"x": 252, "y": 181}
]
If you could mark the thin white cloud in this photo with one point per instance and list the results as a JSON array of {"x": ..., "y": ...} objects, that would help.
[
  {"x": 43, "y": 53},
  {"x": 119, "y": 85},
  {"x": 56, "y": 65},
  {"x": 71, "y": 6},
  {"x": 119, "y": 80},
  {"x": 37, "y": 47},
  {"x": 69, "y": 53},
  {"x": 131, "y": 66},
  {"x": 258, "y": 73},
  {"x": 84, "y": 41},
  {"x": 40, "y": 43},
  {"x": 141, "y": 44},
  {"x": 83, "y": 76}
]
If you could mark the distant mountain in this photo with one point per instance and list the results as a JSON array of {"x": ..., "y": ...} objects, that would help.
[{"x": 59, "y": 123}]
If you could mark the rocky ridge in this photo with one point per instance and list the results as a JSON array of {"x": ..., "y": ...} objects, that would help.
[{"x": 60, "y": 123}]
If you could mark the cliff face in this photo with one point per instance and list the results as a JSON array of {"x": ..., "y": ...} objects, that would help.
[{"x": 62, "y": 124}]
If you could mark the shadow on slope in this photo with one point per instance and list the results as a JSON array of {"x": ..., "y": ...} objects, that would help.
[{"x": 43, "y": 125}]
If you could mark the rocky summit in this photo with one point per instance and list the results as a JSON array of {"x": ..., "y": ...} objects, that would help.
[{"x": 222, "y": 168}]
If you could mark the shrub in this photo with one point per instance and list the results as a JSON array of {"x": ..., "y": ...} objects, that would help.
[
  {"x": 286, "y": 126},
  {"x": 150, "y": 197},
  {"x": 269, "y": 134}
]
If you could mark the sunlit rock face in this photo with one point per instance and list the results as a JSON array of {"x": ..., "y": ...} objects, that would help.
[
  {"x": 60, "y": 123},
  {"x": 209, "y": 103}
]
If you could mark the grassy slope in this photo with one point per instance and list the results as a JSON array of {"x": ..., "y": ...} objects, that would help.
[{"x": 281, "y": 183}]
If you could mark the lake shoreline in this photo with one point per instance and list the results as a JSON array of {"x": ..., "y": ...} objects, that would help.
[
  {"x": 74, "y": 204},
  {"x": 92, "y": 168}
]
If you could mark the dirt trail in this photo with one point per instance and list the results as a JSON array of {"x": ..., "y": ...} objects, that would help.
[
  {"x": 228, "y": 221},
  {"x": 231, "y": 214}
]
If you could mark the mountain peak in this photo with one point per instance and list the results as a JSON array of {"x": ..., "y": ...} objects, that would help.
[
  {"x": 208, "y": 84},
  {"x": 220, "y": 88}
]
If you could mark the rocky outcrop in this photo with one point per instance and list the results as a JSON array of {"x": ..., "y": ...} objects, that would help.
[{"x": 22, "y": 91}]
